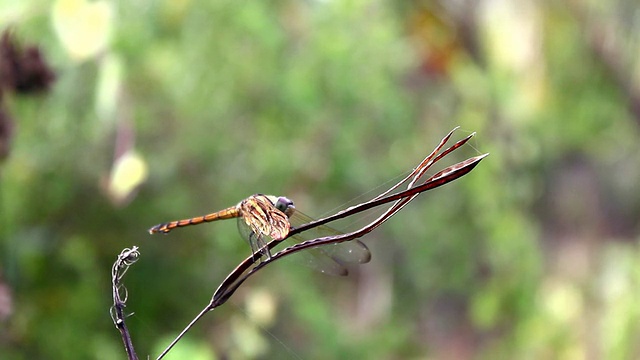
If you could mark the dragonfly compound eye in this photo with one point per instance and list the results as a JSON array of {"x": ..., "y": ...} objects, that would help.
[{"x": 285, "y": 205}]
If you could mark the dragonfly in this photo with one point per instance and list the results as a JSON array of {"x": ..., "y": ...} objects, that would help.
[{"x": 262, "y": 218}]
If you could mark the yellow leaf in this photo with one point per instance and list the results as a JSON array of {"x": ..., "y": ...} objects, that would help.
[
  {"x": 84, "y": 28},
  {"x": 129, "y": 171}
]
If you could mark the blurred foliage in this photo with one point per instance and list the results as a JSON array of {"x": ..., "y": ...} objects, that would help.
[{"x": 168, "y": 109}]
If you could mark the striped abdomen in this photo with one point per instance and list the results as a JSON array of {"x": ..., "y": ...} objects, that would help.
[{"x": 228, "y": 213}]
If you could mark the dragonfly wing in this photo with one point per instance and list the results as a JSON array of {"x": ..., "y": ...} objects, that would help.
[
  {"x": 317, "y": 259},
  {"x": 329, "y": 259},
  {"x": 244, "y": 230},
  {"x": 256, "y": 240},
  {"x": 313, "y": 258},
  {"x": 348, "y": 252}
]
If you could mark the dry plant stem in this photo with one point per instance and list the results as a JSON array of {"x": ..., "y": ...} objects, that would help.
[
  {"x": 245, "y": 269},
  {"x": 124, "y": 331},
  {"x": 251, "y": 265},
  {"x": 126, "y": 258},
  {"x": 427, "y": 162},
  {"x": 380, "y": 200}
]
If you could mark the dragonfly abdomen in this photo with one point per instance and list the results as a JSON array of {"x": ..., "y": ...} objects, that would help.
[{"x": 228, "y": 213}]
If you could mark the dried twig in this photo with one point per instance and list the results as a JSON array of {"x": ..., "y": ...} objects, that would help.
[{"x": 126, "y": 258}]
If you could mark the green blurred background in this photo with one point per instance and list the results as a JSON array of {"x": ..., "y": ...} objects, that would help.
[{"x": 169, "y": 109}]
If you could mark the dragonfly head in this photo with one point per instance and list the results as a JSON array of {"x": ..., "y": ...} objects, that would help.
[{"x": 285, "y": 205}]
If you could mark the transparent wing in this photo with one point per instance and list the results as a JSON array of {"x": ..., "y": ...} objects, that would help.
[
  {"x": 317, "y": 259},
  {"x": 313, "y": 258},
  {"x": 349, "y": 252},
  {"x": 249, "y": 236},
  {"x": 328, "y": 259}
]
